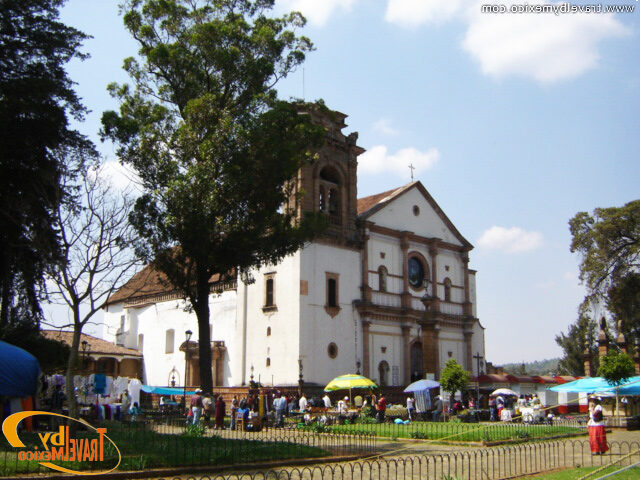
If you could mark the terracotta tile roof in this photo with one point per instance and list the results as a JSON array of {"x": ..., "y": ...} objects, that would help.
[
  {"x": 493, "y": 378},
  {"x": 367, "y": 203},
  {"x": 545, "y": 379},
  {"x": 95, "y": 345},
  {"x": 147, "y": 282}
]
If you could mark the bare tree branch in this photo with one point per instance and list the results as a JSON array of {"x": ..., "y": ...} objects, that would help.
[{"x": 97, "y": 256}]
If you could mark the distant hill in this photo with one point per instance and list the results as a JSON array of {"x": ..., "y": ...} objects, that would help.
[{"x": 539, "y": 367}]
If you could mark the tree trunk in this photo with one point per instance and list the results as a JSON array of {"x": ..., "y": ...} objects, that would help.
[
  {"x": 204, "y": 336},
  {"x": 71, "y": 370}
]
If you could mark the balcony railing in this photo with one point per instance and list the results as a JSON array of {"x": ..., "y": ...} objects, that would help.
[{"x": 386, "y": 299}]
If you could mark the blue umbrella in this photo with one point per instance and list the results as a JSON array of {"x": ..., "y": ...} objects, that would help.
[{"x": 421, "y": 385}]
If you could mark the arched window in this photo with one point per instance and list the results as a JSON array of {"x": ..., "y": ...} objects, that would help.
[
  {"x": 447, "y": 290},
  {"x": 382, "y": 278},
  {"x": 268, "y": 331},
  {"x": 383, "y": 371},
  {"x": 268, "y": 361},
  {"x": 334, "y": 202},
  {"x": 329, "y": 192}
]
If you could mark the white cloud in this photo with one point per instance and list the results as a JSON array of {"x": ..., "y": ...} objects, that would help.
[
  {"x": 546, "y": 47},
  {"x": 542, "y": 46},
  {"x": 571, "y": 276},
  {"x": 317, "y": 12},
  {"x": 412, "y": 13},
  {"x": 510, "y": 240},
  {"x": 384, "y": 127},
  {"x": 378, "y": 160},
  {"x": 121, "y": 177}
]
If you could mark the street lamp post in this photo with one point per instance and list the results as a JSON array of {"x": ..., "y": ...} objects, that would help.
[
  {"x": 188, "y": 334},
  {"x": 300, "y": 380},
  {"x": 84, "y": 356}
]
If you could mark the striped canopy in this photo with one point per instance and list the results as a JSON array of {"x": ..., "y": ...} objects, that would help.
[{"x": 349, "y": 381}]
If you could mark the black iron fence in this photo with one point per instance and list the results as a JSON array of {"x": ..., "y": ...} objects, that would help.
[{"x": 480, "y": 464}]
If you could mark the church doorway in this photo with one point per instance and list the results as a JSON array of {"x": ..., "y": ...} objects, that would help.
[
  {"x": 416, "y": 361},
  {"x": 383, "y": 371}
]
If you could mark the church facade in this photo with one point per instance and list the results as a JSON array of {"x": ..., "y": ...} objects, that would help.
[{"x": 385, "y": 291}]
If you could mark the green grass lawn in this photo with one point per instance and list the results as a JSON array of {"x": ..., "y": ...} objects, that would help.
[
  {"x": 142, "y": 449},
  {"x": 576, "y": 473},
  {"x": 456, "y": 432}
]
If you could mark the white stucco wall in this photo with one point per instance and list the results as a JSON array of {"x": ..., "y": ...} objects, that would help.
[
  {"x": 452, "y": 341},
  {"x": 153, "y": 321},
  {"x": 398, "y": 214},
  {"x": 281, "y": 347},
  {"x": 388, "y": 337},
  {"x": 317, "y": 328}
]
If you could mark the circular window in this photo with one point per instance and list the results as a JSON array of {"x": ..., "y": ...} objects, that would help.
[
  {"x": 416, "y": 210},
  {"x": 332, "y": 350},
  {"x": 416, "y": 272}
]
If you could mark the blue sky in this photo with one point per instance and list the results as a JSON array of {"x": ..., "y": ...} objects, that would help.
[{"x": 515, "y": 122}]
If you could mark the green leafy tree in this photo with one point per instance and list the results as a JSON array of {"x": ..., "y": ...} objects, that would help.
[
  {"x": 623, "y": 301},
  {"x": 36, "y": 141},
  {"x": 609, "y": 242},
  {"x": 579, "y": 335},
  {"x": 454, "y": 378},
  {"x": 616, "y": 367},
  {"x": 213, "y": 146}
]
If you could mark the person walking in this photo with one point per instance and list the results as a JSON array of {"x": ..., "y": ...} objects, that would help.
[
  {"x": 382, "y": 408},
  {"x": 234, "y": 409},
  {"x": 220, "y": 411},
  {"x": 302, "y": 403},
  {"x": 206, "y": 408},
  {"x": 280, "y": 407},
  {"x": 437, "y": 409},
  {"x": 196, "y": 406},
  {"x": 410, "y": 408},
  {"x": 492, "y": 409},
  {"x": 597, "y": 432}
]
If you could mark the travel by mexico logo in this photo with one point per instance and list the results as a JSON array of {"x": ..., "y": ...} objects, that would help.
[{"x": 58, "y": 446}]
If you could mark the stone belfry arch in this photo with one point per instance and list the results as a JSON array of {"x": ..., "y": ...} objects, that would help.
[{"x": 328, "y": 185}]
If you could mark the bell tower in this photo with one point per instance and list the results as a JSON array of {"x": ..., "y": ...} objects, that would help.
[{"x": 329, "y": 184}]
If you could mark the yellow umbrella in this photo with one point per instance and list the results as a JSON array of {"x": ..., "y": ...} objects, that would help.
[{"x": 349, "y": 381}]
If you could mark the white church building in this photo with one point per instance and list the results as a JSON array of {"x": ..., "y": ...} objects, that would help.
[{"x": 386, "y": 291}]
